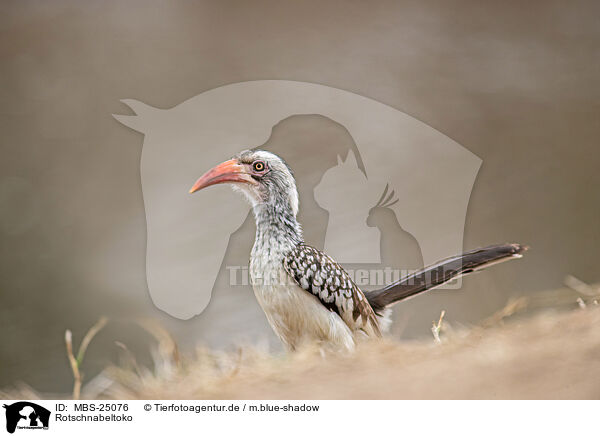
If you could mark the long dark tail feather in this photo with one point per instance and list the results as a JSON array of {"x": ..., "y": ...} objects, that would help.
[{"x": 442, "y": 272}]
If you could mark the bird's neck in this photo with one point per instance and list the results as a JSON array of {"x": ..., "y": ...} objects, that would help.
[{"x": 277, "y": 229}]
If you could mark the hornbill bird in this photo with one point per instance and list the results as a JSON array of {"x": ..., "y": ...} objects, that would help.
[{"x": 305, "y": 294}]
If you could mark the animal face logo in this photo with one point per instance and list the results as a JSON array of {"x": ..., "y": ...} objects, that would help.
[
  {"x": 348, "y": 216},
  {"x": 188, "y": 237},
  {"x": 26, "y": 415}
]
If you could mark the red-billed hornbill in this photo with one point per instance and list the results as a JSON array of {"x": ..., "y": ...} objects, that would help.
[{"x": 304, "y": 293}]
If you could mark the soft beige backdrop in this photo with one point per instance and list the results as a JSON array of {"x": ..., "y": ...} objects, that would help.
[{"x": 515, "y": 83}]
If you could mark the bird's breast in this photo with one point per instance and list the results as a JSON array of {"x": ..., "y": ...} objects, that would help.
[{"x": 295, "y": 315}]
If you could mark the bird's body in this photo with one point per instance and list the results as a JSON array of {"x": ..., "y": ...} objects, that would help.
[
  {"x": 294, "y": 314},
  {"x": 298, "y": 317},
  {"x": 307, "y": 297},
  {"x": 305, "y": 294}
]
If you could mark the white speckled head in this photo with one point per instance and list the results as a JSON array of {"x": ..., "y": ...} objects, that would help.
[{"x": 275, "y": 182}]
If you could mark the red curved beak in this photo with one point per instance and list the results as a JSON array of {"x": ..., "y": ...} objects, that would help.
[{"x": 228, "y": 172}]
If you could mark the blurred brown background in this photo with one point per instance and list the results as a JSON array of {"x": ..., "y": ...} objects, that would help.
[{"x": 515, "y": 83}]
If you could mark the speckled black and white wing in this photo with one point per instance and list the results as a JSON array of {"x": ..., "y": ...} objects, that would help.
[{"x": 319, "y": 274}]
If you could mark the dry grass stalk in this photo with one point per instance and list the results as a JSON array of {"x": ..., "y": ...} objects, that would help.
[
  {"x": 167, "y": 355},
  {"x": 75, "y": 362},
  {"x": 437, "y": 328},
  {"x": 582, "y": 287},
  {"x": 513, "y": 306}
]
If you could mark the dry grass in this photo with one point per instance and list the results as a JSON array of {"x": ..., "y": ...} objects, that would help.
[
  {"x": 76, "y": 362},
  {"x": 547, "y": 356},
  {"x": 553, "y": 354}
]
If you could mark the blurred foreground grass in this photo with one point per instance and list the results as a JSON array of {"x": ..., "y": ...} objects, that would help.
[{"x": 545, "y": 354}]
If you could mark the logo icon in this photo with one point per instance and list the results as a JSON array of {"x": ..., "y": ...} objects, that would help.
[{"x": 26, "y": 415}]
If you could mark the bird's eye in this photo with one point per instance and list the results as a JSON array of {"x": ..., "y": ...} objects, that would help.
[{"x": 258, "y": 166}]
